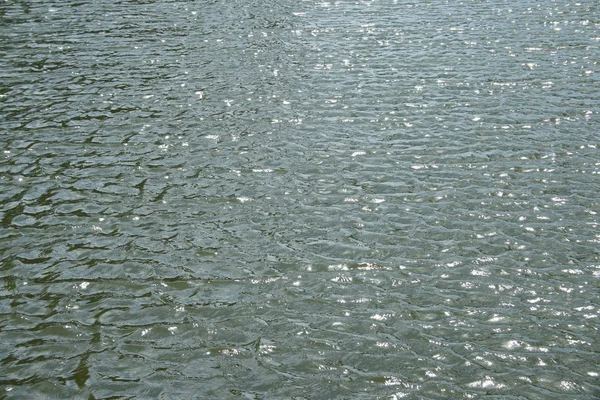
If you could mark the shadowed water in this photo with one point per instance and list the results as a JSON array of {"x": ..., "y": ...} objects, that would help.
[{"x": 299, "y": 199}]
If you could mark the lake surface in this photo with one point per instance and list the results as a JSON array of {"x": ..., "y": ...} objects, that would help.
[{"x": 300, "y": 199}]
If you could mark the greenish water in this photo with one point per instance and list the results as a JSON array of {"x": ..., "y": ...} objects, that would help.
[{"x": 299, "y": 199}]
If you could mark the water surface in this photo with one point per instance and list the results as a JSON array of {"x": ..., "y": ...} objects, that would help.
[{"x": 299, "y": 199}]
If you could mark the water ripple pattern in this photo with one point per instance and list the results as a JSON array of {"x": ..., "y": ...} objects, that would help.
[{"x": 370, "y": 199}]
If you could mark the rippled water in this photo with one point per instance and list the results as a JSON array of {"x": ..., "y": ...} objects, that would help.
[{"x": 299, "y": 199}]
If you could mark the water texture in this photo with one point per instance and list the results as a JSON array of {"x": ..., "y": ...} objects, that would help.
[{"x": 299, "y": 199}]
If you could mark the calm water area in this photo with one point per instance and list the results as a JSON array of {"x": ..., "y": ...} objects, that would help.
[{"x": 300, "y": 199}]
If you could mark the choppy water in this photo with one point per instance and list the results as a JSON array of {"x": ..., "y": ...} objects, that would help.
[{"x": 299, "y": 199}]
